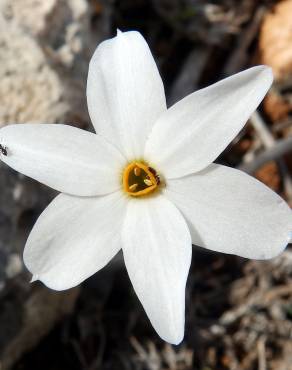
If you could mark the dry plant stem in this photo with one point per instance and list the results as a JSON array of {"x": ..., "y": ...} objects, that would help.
[
  {"x": 280, "y": 291},
  {"x": 262, "y": 354},
  {"x": 262, "y": 130},
  {"x": 236, "y": 61},
  {"x": 188, "y": 77},
  {"x": 282, "y": 125},
  {"x": 280, "y": 148},
  {"x": 79, "y": 354},
  {"x": 287, "y": 180},
  {"x": 269, "y": 142},
  {"x": 98, "y": 360},
  {"x": 256, "y": 292},
  {"x": 249, "y": 359},
  {"x": 240, "y": 55}
]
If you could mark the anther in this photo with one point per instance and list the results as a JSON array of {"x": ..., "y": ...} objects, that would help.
[
  {"x": 137, "y": 171},
  {"x": 133, "y": 187},
  {"x": 148, "y": 182}
]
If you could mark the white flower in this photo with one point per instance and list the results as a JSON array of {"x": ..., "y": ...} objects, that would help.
[{"x": 146, "y": 183}]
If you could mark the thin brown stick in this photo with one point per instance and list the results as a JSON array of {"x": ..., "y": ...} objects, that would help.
[{"x": 261, "y": 346}]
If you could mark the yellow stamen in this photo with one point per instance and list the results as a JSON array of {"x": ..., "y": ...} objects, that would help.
[
  {"x": 133, "y": 187},
  {"x": 148, "y": 182},
  {"x": 137, "y": 171},
  {"x": 139, "y": 179}
]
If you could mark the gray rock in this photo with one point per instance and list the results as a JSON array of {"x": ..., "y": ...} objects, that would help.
[{"x": 45, "y": 47}]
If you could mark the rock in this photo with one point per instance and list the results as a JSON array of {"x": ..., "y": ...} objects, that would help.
[
  {"x": 45, "y": 47},
  {"x": 30, "y": 90},
  {"x": 20, "y": 12},
  {"x": 275, "y": 48},
  {"x": 275, "y": 42},
  {"x": 44, "y": 53}
]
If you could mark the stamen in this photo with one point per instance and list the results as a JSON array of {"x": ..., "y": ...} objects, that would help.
[
  {"x": 148, "y": 182},
  {"x": 133, "y": 187},
  {"x": 137, "y": 171}
]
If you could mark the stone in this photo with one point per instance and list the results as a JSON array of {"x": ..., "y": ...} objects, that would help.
[{"x": 45, "y": 47}]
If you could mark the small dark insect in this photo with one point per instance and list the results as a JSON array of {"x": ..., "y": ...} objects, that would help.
[
  {"x": 152, "y": 170},
  {"x": 3, "y": 150}
]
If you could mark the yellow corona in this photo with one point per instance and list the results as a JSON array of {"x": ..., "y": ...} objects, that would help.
[{"x": 140, "y": 179}]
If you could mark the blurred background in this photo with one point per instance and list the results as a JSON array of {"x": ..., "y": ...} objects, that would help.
[{"x": 238, "y": 312}]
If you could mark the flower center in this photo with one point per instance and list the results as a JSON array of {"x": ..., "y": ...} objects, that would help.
[{"x": 139, "y": 179}]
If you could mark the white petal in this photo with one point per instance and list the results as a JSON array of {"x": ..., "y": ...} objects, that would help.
[
  {"x": 231, "y": 212},
  {"x": 125, "y": 92},
  {"x": 74, "y": 238},
  {"x": 157, "y": 251},
  {"x": 194, "y": 131},
  {"x": 63, "y": 157}
]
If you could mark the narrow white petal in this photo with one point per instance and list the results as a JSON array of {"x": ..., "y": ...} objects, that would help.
[
  {"x": 157, "y": 251},
  {"x": 74, "y": 238},
  {"x": 231, "y": 212},
  {"x": 63, "y": 157},
  {"x": 194, "y": 131},
  {"x": 125, "y": 92}
]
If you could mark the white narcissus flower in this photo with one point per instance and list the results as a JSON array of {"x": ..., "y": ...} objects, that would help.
[{"x": 146, "y": 183}]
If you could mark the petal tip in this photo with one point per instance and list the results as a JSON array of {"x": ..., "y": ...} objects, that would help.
[
  {"x": 174, "y": 338},
  {"x": 267, "y": 73},
  {"x": 34, "y": 278},
  {"x": 174, "y": 333},
  {"x": 273, "y": 252},
  {"x": 278, "y": 251}
]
